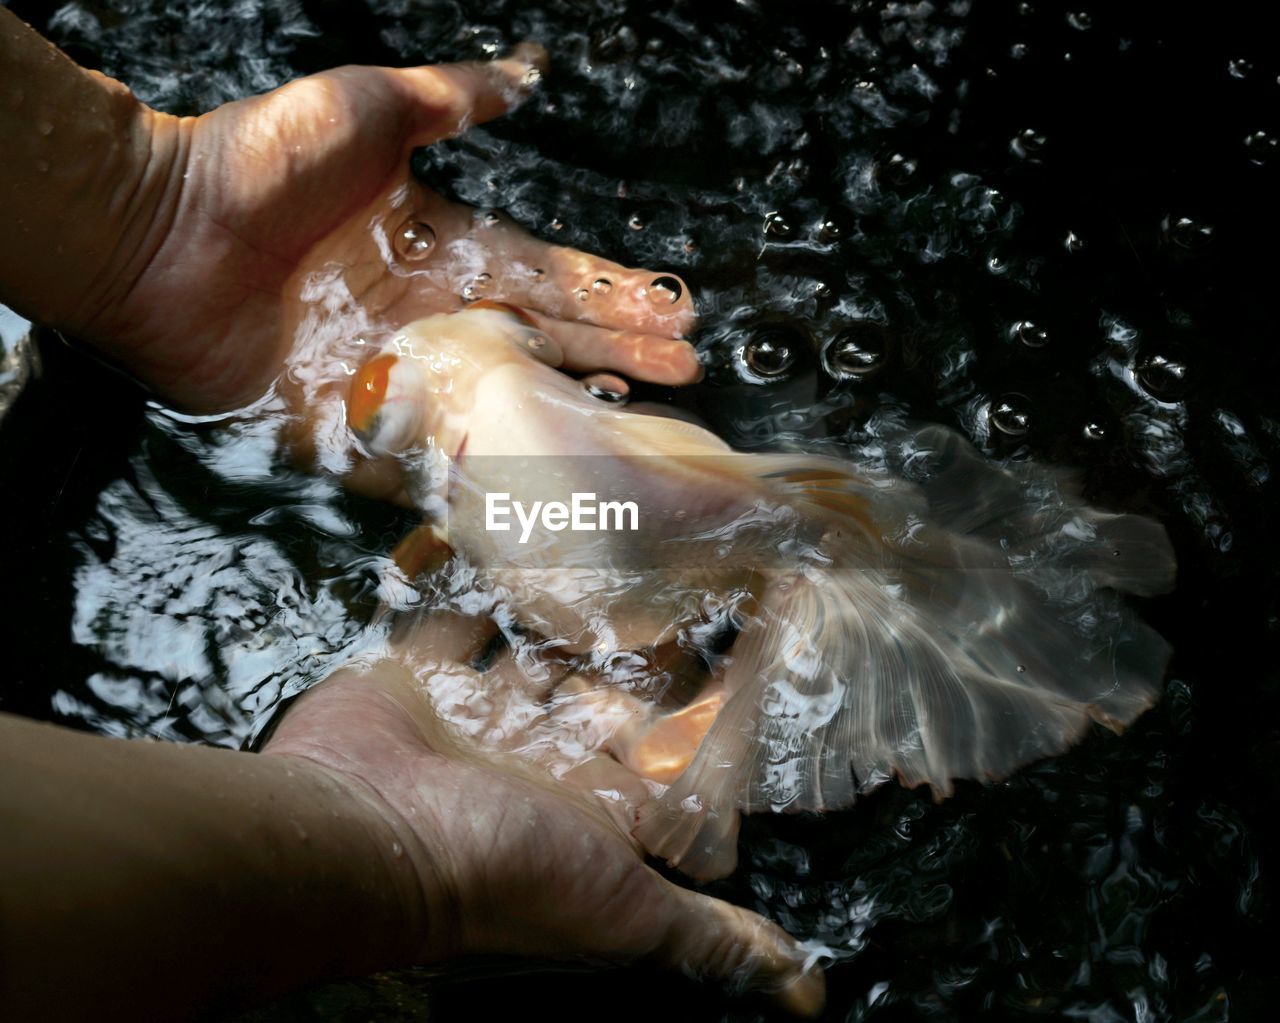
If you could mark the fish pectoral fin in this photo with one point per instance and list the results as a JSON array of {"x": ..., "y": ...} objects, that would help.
[
  {"x": 663, "y": 745},
  {"x": 422, "y": 550}
]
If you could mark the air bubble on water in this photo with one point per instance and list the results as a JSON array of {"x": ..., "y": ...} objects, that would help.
[
  {"x": 900, "y": 169},
  {"x": 996, "y": 264},
  {"x": 536, "y": 341},
  {"x": 775, "y": 225},
  {"x": 1163, "y": 377},
  {"x": 1011, "y": 415},
  {"x": 490, "y": 219},
  {"x": 397, "y": 850},
  {"x": 607, "y": 394},
  {"x": 828, "y": 231},
  {"x": 1238, "y": 67},
  {"x": 1018, "y": 50},
  {"x": 1073, "y": 242},
  {"x": 1260, "y": 146},
  {"x": 1028, "y": 144},
  {"x": 853, "y": 355},
  {"x": 1095, "y": 431},
  {"x": 1187, "y": 233},
  {"x": 636, "y": 222},
  {"x": 690, "y": 246},
  {"x": 1026, "y": 332},
  {"x": 1021, "y": 669},
  {"x": 556, "y": 224},
  {"x": 602, "y": 285},
  {"x": 414, "y": 240},
  {"x": 537, "y": 271},
  {"x": 822, "y": 289},
  {"x": 768, "y": 354},
  {"x": 1081, "y": 21},
  {"x": 665, "y": 291}
]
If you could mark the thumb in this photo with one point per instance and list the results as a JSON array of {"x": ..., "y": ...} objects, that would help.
[
  {"x": 710, "y": 939},
  {"x": 447, "y": 99}
]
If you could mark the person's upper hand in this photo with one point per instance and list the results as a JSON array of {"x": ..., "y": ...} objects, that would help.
[{"x": 264, "y": 197}]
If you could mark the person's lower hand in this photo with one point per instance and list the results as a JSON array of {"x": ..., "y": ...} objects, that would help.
[
  {"x": 290, "y": 221},
  {"x": 510, "y": 861}
]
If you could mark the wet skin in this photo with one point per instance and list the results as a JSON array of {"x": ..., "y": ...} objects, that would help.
[{"x": 181, "y": 249}]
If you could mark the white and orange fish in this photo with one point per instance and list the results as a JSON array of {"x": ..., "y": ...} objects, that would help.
[{"x": 925, "y": 614}]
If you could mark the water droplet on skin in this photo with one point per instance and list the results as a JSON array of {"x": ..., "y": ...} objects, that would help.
[
  {"x": 602, "y": 285},
  {"x": 477, "y": 288},
  {"x": 636, "y": 222},
  {"x": 1029, "y": 334},
  {"x": 1239, "y": 67},
  {"x": 1095, "y": 431},
  {"x": 1011, "y": 415},
  {"x": 775, "y": 225},
  {"x": 768, "y": 355},
  {"x": 414, "y": 240},
  {"x": 665, "y": 291},
  {"x": 397, "y": 850},
  {"x": 582, "y": 294},
  {"x": 1260, "y": 146},
  {"x": 853, "y": 354},
  {"x": 1187, "y": 233},
  {"x": 1163, "y": 377},
  {"x": 1081, "y": 21},
  {"x": 536, "y": 341},
  {"x": 537, "y": 271}
]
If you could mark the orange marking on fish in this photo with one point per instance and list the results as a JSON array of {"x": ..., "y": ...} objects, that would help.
[{"x": 368, "y": 392}]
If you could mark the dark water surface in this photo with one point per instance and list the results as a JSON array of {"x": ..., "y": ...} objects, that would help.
[{"x": 1050, "y": 226}]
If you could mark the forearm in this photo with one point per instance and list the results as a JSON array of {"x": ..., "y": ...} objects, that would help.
[
  {"x": 192, "y": 878},
  {"x": 87, "y": 179}
]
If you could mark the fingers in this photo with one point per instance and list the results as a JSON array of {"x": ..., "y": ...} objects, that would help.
[
  {"x": 446, "y": 99},
  {"x": 639, "y": 356},
  {"x": 714, "y": 940},
  {"x": 604, "y": 316}
]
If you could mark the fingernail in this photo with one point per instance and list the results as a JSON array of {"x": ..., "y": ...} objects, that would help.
[{"x": 534, "y": 57}]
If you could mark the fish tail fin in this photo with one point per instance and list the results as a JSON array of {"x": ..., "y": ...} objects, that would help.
[{"x": 983, "y": 631}]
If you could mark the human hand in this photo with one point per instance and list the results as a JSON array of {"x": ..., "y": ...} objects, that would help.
[
  {"x": 510, "y": 862},
  {"x": 289, "y": 222}
]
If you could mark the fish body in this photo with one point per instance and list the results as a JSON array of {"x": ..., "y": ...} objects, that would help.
[{"x": 925, "y": 614}]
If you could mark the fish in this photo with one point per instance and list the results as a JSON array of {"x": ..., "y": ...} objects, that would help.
[{"x": 919, "y": 613}]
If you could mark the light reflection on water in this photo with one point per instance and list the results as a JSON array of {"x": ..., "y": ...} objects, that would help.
[{"x": 912, "y": 166}]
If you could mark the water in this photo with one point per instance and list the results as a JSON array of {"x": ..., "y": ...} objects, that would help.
[{"x": 1045, "y": 225}]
